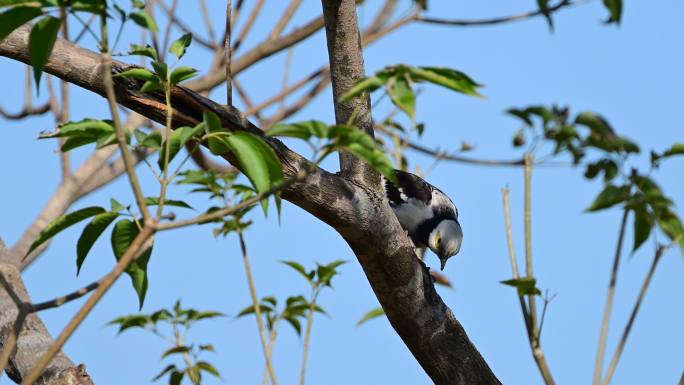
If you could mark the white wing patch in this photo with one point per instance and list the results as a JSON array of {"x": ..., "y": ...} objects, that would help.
[
  {"x": 439, "y": 199},
  {"x": 412, "y": 213}
]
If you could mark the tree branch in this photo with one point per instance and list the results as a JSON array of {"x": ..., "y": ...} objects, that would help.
[{"x": 400, "y": 281}]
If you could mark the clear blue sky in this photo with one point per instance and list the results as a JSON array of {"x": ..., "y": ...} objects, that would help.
[{"x": 631, "y": 75}]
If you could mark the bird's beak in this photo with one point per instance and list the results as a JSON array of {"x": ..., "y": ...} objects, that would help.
[{"x": 443, "y": 261}]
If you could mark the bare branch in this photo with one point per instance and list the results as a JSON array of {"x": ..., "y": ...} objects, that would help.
[
  {"x": 496, "y": 20},
  {"x": 605, "y": 324},
  {"x": 185, "y": 28},
  {"x": 249, "y": 24},
  {"x": 285, "y": 19}
]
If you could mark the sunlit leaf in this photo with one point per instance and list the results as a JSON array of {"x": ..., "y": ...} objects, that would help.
[
  {"x": 179, "y": 46},
  {"x": 123, "y": 235},
  {"x": 525, "y": 285},
  {"x": 144, "y": 20},
  {"x": 90, "y": 234},
  {"x": 181, "y": 74},
  {"x": 62, "y": 223},
  {"x": 375, "y": 313}
]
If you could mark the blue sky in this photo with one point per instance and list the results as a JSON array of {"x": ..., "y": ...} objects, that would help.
[{"x": 631, "y": 75}]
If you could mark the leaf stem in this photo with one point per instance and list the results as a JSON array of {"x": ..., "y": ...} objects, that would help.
[{"x": 167, "y": 147}]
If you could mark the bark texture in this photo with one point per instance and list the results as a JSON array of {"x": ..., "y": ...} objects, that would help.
[
  {"x": 33, "y": 339},
  {"x": 356, "y": 211}
]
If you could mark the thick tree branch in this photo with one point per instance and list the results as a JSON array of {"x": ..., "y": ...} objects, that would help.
[
  {"x": 363, "y": 218},
  {"x": 347, "y": 69},
  {"x": 33, "y": 339}
]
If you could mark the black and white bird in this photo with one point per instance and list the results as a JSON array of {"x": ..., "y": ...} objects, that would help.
[{"x": 427, "y": 214}]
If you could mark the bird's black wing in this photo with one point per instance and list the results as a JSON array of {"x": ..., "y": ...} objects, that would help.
[{"x": 409, "y": 186}]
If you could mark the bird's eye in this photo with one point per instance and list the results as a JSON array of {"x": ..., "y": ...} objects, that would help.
[{"x": 438, "y": 240}]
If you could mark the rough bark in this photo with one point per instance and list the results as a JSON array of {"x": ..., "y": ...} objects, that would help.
[
  {"x": 346, "y": 69},
  {"x": 363, "y": 218},
  {"x": 34, "y": 338}
]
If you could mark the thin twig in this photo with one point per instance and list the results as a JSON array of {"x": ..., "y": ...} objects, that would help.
[
  {"x": 185, "y": 28},
  {"x": 249, "y": 24},
  {"x": 207, "y": 20},
  {"x": 285, "y": 19},
  {"x": 120, "y": 134},
  {"x": 257, "y": 309},
  {"x": 288, "y": 91},
  {"x": 496, "y": 20},
  {"x": 233, "y": 209},
  {"x": 307, "y": 336},
  {"x": 59, "y": 301},
  {"x": 528, "y": 239},
  {"x": 167, "y": 32},
  {"x": 105, "y": 284},
  {"x": 603, "y": 336},
  {"x": 228, "y": 55}
]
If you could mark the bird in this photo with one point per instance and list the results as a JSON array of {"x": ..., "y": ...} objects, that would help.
[{"x": 428, "y": 216}]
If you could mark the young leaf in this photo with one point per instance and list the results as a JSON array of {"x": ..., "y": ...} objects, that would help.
[
  {"x": 299, "y": 268},
  {"x": 147, "y": 50},
  {"x": 122, "y": 236},
  {"x": 166, "y": 370},
  {"x": 144, "y": 20},
  {"x": 41, "y": 41},
  {"x": 302, "y": 130},
  {"x": 375, "y": 313},
  {"x": 368, "y": 84},
  {"x": 139, "y": 73},
  {"x": 15, "y": 18},
  {"x": 610, "y": 196},
  {"x": 209, "y": 368},
  {"x": 62, "y": 223},
  {"x": 525, "y": 285},
  {"x": 643, "y": 224},
  {"x": 259, "y": 161},
  {"x": 402, "y": 95},
  {"x": 176, "y": 350},
  {"x": 154, "y": 201},
  {"x": 115, "y": 205},
  {"x": 615, "y": 9},
  {"x": 181, "y": 74},
  {"x": 179, "y": 46},
  {"x": 446, "y": 77},
  {"x": 676, "y": 149},
  {"x": 90, "y": 233}
]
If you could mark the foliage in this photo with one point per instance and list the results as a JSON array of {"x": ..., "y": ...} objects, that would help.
[{"x": 172, "y": 325}]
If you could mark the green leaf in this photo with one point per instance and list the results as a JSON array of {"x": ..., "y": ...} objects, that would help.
[
  {"x": 151, "y": 86},
  {"x": 153, "y": 140},
  {"x": 544, "y": 9},
  {"x": 295, "y": 323},
  {"x": 166, "y": 370},
  {"x": 595, "y": 122},
  {"x": 446, "y": 77},
  {"x": 368, "y": 84},
  {"x": 302, "y": 130},
  {"x": 41, "y": 41},
  {"x": 154, "y": 201},
  {"x": 160, "y": 68},
  {"x": 615, "y": 9},
  {"x": 181, "y": 74},
  {"x": 676, "y": 149},
  {"x": 402, "y": 95},
  {"x": 90, "y": 233},
  {"x": 525, "y": 285},
  {"x": 130, "y": 321},
  {"x": 209, "y": 368},
  {"x": 115, "y": 205},
  {"x": 212, "y": 125},
  {"x": 15, "y": 18},
  {"x": 363, "y": 146},
  {"x": 259, "y": 162},
  {"x": 264, "y": 309},
  {"x": 144, "y": 20},
  {"x": 375, "y": 313},
  {"x": 179, "y": 46},
  {"x": 147, "y": 50},
  {"x": 139, "y": 73},
  {"x": 123, "y": 235},
  {"x": 299, "y": 268},
  {"x": 610, "y": 196},
  {"x": 62, "y": 223},
  {"x": 176, "y": 378},
  {"x": 175, "y": 350},
  {"x": 178, "y": 138},
  {"x": 643, "y": 224}
]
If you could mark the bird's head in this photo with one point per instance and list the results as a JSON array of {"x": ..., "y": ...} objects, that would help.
[{"x": 445, "y": 240}]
